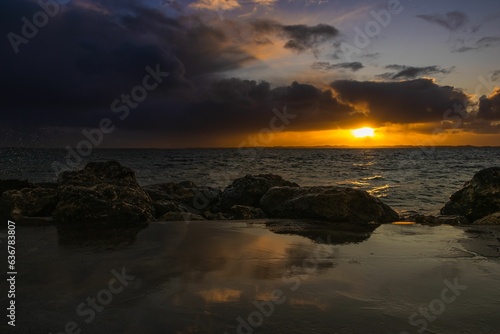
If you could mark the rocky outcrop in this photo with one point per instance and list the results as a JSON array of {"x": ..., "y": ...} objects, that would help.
[
  {"x": 102, "y": 194},
  {"x": 249, "y": 190},
  {"x": 107, "y": 194},
  {"x": 440, "y": 219},
  {"x": 480, "y": 197},
  {"x": 27, "y": 203},
  {"x": 334, "y": 204},
  {"x": 165, "y": 206},
  {"x": 246, "y": 212},
  {"x": 182, "y": 197},
  {"x": 493, "y": 219},
  {"x": 186, "y": 192}
]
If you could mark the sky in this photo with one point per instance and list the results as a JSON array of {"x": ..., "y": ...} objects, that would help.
[{"x": 235, "y": 73}]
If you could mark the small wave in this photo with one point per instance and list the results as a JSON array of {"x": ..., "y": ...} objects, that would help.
[
  {"x": 363, "y": 164},
  {"x": 375, "y": 177},
  {"x": 354, "y": 183},
  {"x": 379, "y": 191}
]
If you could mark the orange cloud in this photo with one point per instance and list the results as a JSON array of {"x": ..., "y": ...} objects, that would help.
[{"x": 216, "y": 4}]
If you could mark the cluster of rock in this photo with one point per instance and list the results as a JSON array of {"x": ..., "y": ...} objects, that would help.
[
  {"x": 107, "y": 194},
  {"x": 104, "y": 194}
]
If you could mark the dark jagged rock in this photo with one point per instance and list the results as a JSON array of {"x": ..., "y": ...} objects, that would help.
[
  {"x": 186, "y": 192},
  {"x": 102, "y": 194},
  {"x": 6, "y": 185},
  {"x": 183, "y": 196},
  {"x": 438, "y": 220},
  {"x": 249, "y": 190},
  {"x": 478, "y": 198},
  {"x": 493, "y": 219},
  {"x": 246, "y": 212},
  {"x": 165, "y": 206},
  {"x": 111, "y": 172},
  {"x": 335, "y": 204},
  {"x": 214, "y": 215},
  {"x": 28, "y": 202}
]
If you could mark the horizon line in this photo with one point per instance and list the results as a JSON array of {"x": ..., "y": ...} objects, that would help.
[{"x": 263, "y": 147}]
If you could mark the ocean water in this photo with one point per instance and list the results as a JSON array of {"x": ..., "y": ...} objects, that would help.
[{"x": 408, "y": 179}]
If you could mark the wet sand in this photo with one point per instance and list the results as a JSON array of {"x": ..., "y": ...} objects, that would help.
[{"x": 241, "y": 277}]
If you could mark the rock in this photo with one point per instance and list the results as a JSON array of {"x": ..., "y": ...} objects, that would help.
[
  {"x": 111, "y": 172},
  {"x": 249, "y": 190},
  {"x": 214, "y": 215},
  {"x": 478, "y": 198},
  {"x": 187, "y": 193},
  {"x": 438, "y": 220},
  {"x": 181, "y": 216},
  {"x": 102, "y": 194},
  {"x": 453, "y": 220},
  {"x": 493, "y": 219},
  {"x": 246, "y": 212},
  {"x": 28, "y": 202},
  {"x": 335, "y": 204},
  {"x": 165, "y": 206},
  {"x": 6, "y": 185}
]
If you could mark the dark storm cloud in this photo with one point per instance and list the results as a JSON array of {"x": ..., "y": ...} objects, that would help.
[
  {"x": 414, "y": 101},
  {"x": 84, "y": 58},
  {"x": 489, "y": 107},
  {"x": 301, "y": 38},
  {"x": 353, "y": 66},
  {"x": 452, "y": 21},
  {"x": 482, "y": 43},
  {"x": 480, "y": 126},
  {"x": 410, "y": 72},
  {"x": 235, "y": 106}
]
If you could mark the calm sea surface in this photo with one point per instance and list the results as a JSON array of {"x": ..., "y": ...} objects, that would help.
[{"x": 417, "y": 179}]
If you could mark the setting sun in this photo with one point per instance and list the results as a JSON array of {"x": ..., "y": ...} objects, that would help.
[{"x": 363, "y": 132}]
